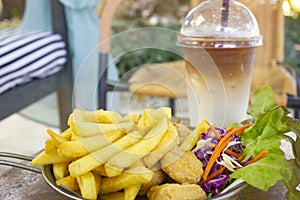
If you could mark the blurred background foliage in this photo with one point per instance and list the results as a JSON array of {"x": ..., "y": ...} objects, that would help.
[
  {"x": 292, "y": 42},
  {"x": 148, "y": 13},
  {"x": 169, "y": 14}
]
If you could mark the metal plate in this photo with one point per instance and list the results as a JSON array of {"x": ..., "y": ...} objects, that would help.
[
  {"x": 47, "y": 172},
  {"x": 49, "y": 178}
]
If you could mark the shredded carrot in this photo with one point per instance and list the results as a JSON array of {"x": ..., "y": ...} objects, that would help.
[
  {"x": 213, "y": 175},
  {"x": 229, "y": 152},
  {"x": 214, "y": 130},
  {"x": 258, "y": 157},
  {"x": 220, "y": 146},
  {"x": 241, "y": 157},
  {"x": 214, "y": 156},
  {"x": 238, "y": 131},
  {"x": 229, "y": 128}
]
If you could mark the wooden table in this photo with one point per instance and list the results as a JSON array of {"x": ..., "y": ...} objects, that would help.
[{"x": 18, "y": 184}]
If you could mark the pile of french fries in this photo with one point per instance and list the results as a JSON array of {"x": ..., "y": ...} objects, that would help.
[{"x": 115, "y": 157}]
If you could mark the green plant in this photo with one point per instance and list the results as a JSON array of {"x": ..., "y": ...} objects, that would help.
[
  {"x": 136, "y": 58},
  {"x": 292, "y": 37},
  {"x": 149, "y": 13}
]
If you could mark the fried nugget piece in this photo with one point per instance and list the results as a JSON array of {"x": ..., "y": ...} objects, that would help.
[
  {"x": 175, "y": 191},
  {"x": 181, "y": 166},
  {"x": 158, "y": 177}
]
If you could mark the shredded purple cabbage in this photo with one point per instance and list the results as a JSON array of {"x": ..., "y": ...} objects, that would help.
[
  {"x": 222, "y": 131},
  {"x": 203, "y": 156},
  {"x": 238, "y": 148},
  {"x": 215, "y": 168},
  {"x": 246, "y": 161},
  {"x": 214, "y": 139},
  {"x": 213, "y": 186}
]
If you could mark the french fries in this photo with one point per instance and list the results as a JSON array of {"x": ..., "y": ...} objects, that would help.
[
  {"x": 49, "y": 158},
  {"x": 101, "y": 156},
  {"x": 105, "y": 154},
  {"x": 83, "y": 146},
  {"x": 88, "y": 129},
  {"x": 127, "y": 179},
  {"x": 60, "y": 170},
  {"x": 89, "y": 185},
  {"x": 51, "y": 145},
  {"x": 167, "y": 143},
  {"x": 68, "y": 182},
  {"x": 126, "y": 158},
  {"x": 113, "y": 196},
  {"x": 131, "y": 192},
  {"x": 56, "y": 137},
  {"x": 192, "y": 139}
]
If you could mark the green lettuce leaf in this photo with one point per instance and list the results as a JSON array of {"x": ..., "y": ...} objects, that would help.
[
  {"x": 271, "y": 123},
  {"x": 262, "y": 100}
]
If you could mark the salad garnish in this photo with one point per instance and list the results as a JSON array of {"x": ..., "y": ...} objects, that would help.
[{"x": 250, "y": 151}]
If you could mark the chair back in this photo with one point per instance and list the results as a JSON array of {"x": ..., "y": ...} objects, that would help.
[
  {"x": 268, "y": 65},
  {"x": 19, "y": 97},
  {"x": 108, "y": 11}
]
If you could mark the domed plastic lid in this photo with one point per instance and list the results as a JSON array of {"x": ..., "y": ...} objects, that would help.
[{"x": 220, "y": 20}]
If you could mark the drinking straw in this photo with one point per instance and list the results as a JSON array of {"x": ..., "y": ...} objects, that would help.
[{"x": 225, "y": 11}]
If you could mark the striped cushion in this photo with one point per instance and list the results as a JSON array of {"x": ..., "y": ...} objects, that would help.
[{"x": 26, "y": 55}]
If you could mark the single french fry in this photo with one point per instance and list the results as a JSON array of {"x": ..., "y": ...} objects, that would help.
[
  {"x": 68, "y": 182},
  {"x": 183, "y": 132},
  {"x": 51, "y": 145},
  {"x": 75, "y": 137},
  {"x": 101, "y": 156},
  {"x": 126, "y": 158},
  {"x": 133, "y": 117},
  {"x": 89, "y": 185},
  {"x": 98, "y": 179},
  {"x": 88, "y": 129},
  {"x": 136, "y": 176},
  {"x": 105, "y": 116},
  {"x": 75, "y": 118},
  {"x": 145, "y": 121},
  {"x": 195, "y": 135},
  {"x": 49, "y": 158},
  {"x": 67, "y": 134},
  {"x": 89, "y": 116},
  {"x": 100, "y": 170},
  {"x": 113, "y": 196},
  {"x": 60, "y": 170},
  {"x": 70, "y": 121},
  {"x": 168, "y": 142},
  {"x": 72, "y": 149},
  {"x": 131, "y": 192},
  {"x": 56, "y": 136},
  {"x": 84, "y": 146},
  {"x": 102, "y": 116},
  {"x": 157, "y": 113}
]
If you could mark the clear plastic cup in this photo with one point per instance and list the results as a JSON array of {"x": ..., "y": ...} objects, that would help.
[{"x": 219, "y": 40}]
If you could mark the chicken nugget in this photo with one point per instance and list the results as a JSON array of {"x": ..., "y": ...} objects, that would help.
[
  {"x": 182, "y": 167},
  {"x": 175, "y": 191}
]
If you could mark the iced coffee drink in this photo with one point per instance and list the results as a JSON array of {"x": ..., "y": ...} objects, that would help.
[{"x": 219, "y": 58}]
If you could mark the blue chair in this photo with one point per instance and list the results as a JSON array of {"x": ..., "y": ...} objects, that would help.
[{"x": 35, "y": 86}]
